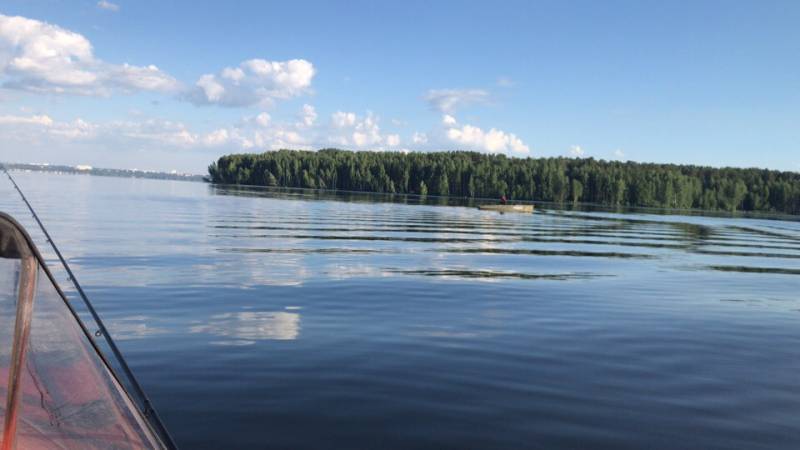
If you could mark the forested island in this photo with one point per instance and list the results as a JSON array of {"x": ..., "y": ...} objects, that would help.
[{"x": 560, "y": 180}]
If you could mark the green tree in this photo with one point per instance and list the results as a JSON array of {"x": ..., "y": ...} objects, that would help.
[
  {"x": 270, "y": 179},
  {"x": 443, "y": 185},
  {"x": 577, "y": 190},
  {"x": 423, "y": 189}
]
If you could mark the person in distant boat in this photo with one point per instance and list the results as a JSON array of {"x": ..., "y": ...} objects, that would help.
[{"x": 503, "y": 200}]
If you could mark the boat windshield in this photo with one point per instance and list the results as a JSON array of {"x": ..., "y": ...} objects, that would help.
[{"x": 56, "y": 390}]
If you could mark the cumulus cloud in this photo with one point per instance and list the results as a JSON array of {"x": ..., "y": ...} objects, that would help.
[
  {"x": 40, "y": 57},
  {"x": 262, "y": 132},
  {"x": 308, "y": 116},
  {"x": 253, "y": 82},
  {"x": 147, "y": 78},
  {"x": 475, "y": 138},
  {"x": 450, "y": 100},
  {"x": 619, "y": 154},
  {"x": 108, "y": 6},
  {"x": 216, "y": 138},
  {"x": 165, "y": 132},
  {"x": 576, "y": 151},
  {"x": 350, "y": 130},
  {"x": 367, "y": 132},
  {"x": 160, "y": 132},
  {"x": 263, "y": 119},
  {"x": 77, "y": 129},
  {"x": 343, "y": 129},
  {"x": 341, "y": 119},
  {"x": 35, "y": 127},
  {"x": 43, "y": 120},
  {"x": 393, "y": 140},
  {"x": 259, "y": 132}
]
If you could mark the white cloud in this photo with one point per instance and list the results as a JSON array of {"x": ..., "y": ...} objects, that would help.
[
  {"x": 174, "y": 140},
  {"x": 392, "y": 140},
  {"x": 308, "y": 116},
  {"x": 155, "y": 131},
  {"x": 368, "y": 128},
  {"x": 128, "y": 134},
  {"x": 39, "y": 57},
  {"x": 448, "y": 120},
  {"x": 217, "y": 138},
  {"x": 43, "y": 120},
  {"x": 254, "y": 82},
  {"x": 576, "y": 151},
  {"x": 450, "y": 100},
  {"x": 121, "y": 143},
  {"x": 492, "y": 141},
  {"x": 212, "y": 90},
  {"x": 37, "y": 127},
  {"x": 77, "y": 129},
  {"x": 148, "y": 78},
  {"x": 262, "y": 133},
  {"x": 349, "y": 130},
  {"x": 291, "y": 138},
  {"x": 263, "y": 119},
  {"x": 619, "y": 154},
  {"x": 252, "y": 135},
  {"x": 108, "y": 6},
  {"x": 341, "y": 119},
  {"x": 352, "y": 130}
]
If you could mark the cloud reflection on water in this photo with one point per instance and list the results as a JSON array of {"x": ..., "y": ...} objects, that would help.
[
  {"x": 248, "y": 327},
  {"x": 133, "y": 327}
]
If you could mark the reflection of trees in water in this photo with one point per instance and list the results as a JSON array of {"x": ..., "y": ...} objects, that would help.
[
  {"x": 340, "y": 195},
  {"x": 287, "y": 239},
  {"x": 696, "y": 234}
]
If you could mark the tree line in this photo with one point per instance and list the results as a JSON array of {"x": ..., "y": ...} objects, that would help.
[{"x": 560, "y": 180}]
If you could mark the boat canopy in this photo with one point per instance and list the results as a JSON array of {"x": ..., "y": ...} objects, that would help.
[{"x": 57, "y": 390}]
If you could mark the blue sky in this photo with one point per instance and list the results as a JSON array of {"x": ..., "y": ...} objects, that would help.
[{"x": 173, "y": 84}]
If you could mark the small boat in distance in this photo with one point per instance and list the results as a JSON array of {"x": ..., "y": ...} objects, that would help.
[{"x": 507, "y": 208}]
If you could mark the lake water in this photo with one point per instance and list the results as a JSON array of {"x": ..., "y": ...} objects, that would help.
[{"x": 274, "y": 319}]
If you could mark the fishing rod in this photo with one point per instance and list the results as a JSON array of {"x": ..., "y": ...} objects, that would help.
[{"x": 147, "y": 408}]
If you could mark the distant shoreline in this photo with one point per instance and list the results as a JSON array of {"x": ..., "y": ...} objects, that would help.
[
  {"x": 104, "y": 172},
  {"x": 558, "y": 180}
]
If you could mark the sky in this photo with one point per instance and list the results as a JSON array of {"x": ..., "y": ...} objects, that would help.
[{"x": 173, "y": 85}]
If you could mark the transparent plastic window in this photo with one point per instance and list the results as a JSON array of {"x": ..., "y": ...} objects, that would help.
[{"x": 68, "y": 398}]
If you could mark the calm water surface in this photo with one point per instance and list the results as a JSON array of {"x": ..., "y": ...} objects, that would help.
[{"x": 259, "y": 319}]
